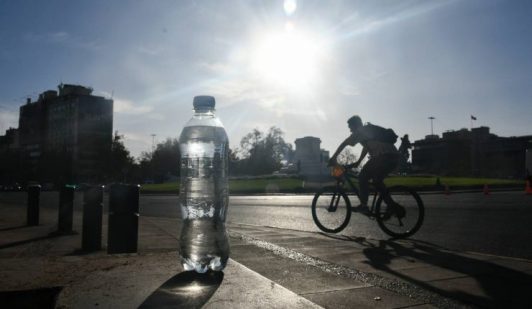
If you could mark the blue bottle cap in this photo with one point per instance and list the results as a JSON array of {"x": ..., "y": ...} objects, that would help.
[{"x": 204, "y": 102}]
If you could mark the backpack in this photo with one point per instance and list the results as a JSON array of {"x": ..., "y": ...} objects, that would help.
[{"x": 378, "y": 133}]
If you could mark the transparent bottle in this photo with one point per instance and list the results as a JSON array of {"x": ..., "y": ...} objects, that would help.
[{"x": 203, "y": 195}]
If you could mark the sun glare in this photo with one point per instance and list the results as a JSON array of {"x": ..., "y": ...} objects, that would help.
[
  {"x": 289, "y": 59},
  {"x": 290, "y": 6}
]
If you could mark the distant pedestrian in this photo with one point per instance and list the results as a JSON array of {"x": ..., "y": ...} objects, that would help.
[{"x": 405, "y": 146}]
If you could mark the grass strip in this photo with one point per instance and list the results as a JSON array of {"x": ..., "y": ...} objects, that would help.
[{"x": 295, "y": 185}]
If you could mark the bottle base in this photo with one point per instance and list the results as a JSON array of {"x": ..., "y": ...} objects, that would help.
[{"x": 215, "y": 264}]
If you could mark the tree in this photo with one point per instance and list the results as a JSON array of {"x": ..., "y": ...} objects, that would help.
[
  {"x": 346, "y": 156},
  {"x": 165, "y": 159},
  {"x": 235, "y": 163},
  {"x": 118, "y": 162},
  {"x": 163, "y": 162},
  {"x": 262, "y": 153}
]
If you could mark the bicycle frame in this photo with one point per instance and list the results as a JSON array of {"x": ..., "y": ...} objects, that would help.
[
  {"x": 389, "y": 217},
  {"x": 349, "y": 176}
]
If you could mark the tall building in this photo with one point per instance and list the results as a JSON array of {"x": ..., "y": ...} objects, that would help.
[
  {"x": 9, "y": 141},
  {"x": 9, "y": 146},
  {"x": 71, "y": 126},
  {"x": 475, "y": 152}
]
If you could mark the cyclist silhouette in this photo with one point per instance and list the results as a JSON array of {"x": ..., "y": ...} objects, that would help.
[{"x": 384, "y": 158}]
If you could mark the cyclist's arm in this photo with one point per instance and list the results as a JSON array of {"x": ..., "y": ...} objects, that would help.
[
  {"x": 350, "y": 141},
  {"x": 344, "y": 144}
]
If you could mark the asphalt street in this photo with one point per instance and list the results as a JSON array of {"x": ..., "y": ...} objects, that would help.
[
  {"x": 273, "y": 238},
  {"x": 499, "y": 223}
]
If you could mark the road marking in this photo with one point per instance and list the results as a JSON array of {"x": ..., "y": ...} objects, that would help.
[{"x": 396, "y": 286}]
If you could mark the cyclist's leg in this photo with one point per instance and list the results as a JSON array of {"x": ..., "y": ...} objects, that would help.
[
  {"x": 363, "y": 182},
  {"x": 384, "y": 165}
]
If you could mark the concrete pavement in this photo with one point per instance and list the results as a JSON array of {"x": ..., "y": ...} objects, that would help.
[{"x": 270, "y": 268}]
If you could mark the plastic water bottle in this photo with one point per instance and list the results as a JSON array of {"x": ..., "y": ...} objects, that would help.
[{"x": 203, "y": 195}]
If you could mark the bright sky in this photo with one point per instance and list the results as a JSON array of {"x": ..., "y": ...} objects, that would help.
[{"x": 304, "y": 66}]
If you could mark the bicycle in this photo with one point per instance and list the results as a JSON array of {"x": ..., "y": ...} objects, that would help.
[{"x": 331, "y": 206}]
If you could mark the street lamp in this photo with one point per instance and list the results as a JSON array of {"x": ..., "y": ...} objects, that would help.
[
  {"x": 431, "y": 126},
  {"x": 153, "y": 142}
]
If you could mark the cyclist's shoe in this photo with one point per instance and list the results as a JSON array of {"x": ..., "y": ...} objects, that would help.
[
  {"x": 394, "y": 210},
  {"x": 362, "y": 209},
  {"x": 400, "y": 211}
]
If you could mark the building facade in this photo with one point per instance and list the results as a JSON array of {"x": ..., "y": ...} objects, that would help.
[
  {"x": 9, "y": 150},
  {"x": 475, "y": 152},
  {"x": 9, "y": 141},
  {"x": 69, "y": 128}
]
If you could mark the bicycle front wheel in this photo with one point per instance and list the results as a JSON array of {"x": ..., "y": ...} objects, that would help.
[
  {"x": 404, "y": 217},
  {"x": 331, "y": 209}
]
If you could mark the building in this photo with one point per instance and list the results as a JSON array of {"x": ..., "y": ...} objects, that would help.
[
  {"x": 475, "y": 152},
  {"x": 9, "y": 146},
  {"x": 529, "y": 159},
  {"x": 71, "y": 127},
  {"x": 309, "y": 158},
  {"x": 9, "y": 141}
]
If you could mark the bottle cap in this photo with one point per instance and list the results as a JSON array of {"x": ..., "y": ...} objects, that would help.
[{"x": 204, "y": 102}]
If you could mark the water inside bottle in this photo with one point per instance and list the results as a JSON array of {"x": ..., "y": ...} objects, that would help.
[
  {"x": 204, "y": 245},
  {"x": 203, "y": 198}
]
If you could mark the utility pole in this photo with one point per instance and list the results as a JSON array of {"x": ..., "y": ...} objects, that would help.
[
  {"x": 153, "y": 142},
  {"x": 431, "y": 126}
]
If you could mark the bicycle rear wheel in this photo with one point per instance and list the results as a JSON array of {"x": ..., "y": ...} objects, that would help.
[
  {"x": 331, "y": 209},
  {"x": 405, "y": 217}
]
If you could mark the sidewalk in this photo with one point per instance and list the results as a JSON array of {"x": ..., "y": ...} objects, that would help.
[
  {"x": 38, "y": 271},
  {"x": 270, "y": 268}
]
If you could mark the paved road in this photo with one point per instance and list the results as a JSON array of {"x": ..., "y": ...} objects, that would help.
[{"x": 500, "y": 223}]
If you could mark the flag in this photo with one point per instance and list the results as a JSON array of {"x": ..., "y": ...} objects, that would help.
[{"x": 473, "y": 117}]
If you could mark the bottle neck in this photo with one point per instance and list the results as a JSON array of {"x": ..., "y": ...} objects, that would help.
[{"x": 204, "y": 113}]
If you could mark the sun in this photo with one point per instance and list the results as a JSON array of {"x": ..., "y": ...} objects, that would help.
[{"x": 289, "y": 59}]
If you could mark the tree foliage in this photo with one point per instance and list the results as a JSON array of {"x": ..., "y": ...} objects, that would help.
[
  {"x": 163, "y": 162},
  {"x": 262, "y": 152},
  {"x": 347, "y": 156},
  {"x": 119, "y": 164}
]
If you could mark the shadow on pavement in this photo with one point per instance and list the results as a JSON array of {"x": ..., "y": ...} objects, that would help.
[
  {"x": 185, "y": 290},
  {"x": 38, "y": 298},
  {"x": 13, "y": 228},
  {"x": 499, "y": 286},
  {"x": 26, "y": 241}
]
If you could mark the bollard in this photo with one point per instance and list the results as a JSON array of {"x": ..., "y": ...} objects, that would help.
[
  {"x": 34, "y": 193},
  {"x": 66, "y": 210},
  {"x": 123, "y": 218},
  {"x": 91, "y": 238}
]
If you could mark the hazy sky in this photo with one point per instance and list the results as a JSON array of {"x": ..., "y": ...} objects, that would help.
[{"x": 304, "y": 66}]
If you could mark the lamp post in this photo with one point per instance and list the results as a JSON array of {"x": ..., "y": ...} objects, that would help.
[
  {"x": 431, "y": 126},
  {"x": 153, "y": 142}
]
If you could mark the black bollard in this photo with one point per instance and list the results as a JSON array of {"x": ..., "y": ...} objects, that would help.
[
  {"x": 123, "y": 218},
  {"x": 91, "y": 238},
  {"x": 66, "y": 210},
  {"x": 34, "y": 191}
]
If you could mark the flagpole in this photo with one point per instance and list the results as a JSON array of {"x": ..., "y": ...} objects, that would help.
[{"x": 471, "y": 118}]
